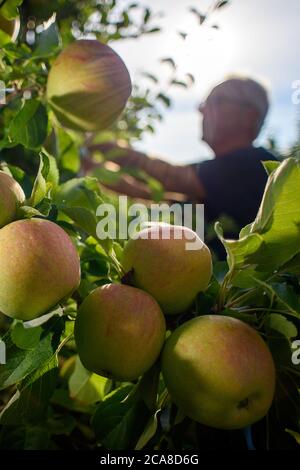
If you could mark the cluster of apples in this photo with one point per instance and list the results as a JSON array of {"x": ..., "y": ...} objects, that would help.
[
  {"x": 217, "y": 369},
  {"x": 39, "y": 265}
]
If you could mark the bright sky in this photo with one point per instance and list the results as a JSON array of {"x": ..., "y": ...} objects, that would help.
[{"x": 256, "y": 37}]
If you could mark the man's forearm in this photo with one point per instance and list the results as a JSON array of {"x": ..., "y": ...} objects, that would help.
[{"x": 174, "y": 178}]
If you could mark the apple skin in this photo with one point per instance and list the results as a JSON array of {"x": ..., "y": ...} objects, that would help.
[
  {"x": 88, "y": 86},
  {"x": 219, "y": 372},
  {"x": 119, "y": 331},
  {"x": 11, "y": 197},
  {"x": 39, "y": 267},
  {"x": 165, "y": 269}
]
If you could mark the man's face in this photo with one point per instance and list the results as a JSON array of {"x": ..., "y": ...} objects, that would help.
[{"x": 223, "y": 117}]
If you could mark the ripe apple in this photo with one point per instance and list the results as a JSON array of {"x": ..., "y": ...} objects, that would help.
[
  {"x": 88, "y": 86},
  {"x": 163, "y": 266},
  {"x": 119, "y": 331},
  {"x": 11, "y": 196},
  {"x": 39, "y": 267},
  {"x": 219, "y": 372}
]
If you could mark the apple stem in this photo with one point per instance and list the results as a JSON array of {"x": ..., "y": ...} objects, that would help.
[{"x": 248, "y": 436}]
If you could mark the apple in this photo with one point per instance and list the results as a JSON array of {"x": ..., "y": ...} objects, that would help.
[
  {"x": 119, "y": 331},
  {"x": 162, "y": 265},
  {"x": 219, "y": 372},
  {"x": 88, "y": 86},
  {"x": 39, "y": 267},
  {"x": 11, "y": 197}
]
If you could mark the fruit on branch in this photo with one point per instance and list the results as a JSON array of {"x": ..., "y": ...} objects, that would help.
[
  {"x": 162, "y": 265},
  {"x": 11, "y": 197},
  {"x": 219, "y": 372},
  {"x": 119, "y": 331},
  {"x": 39, "y": 267},
  {"x": 8, "y": 29},
  {"x": 88, "y": 86}
]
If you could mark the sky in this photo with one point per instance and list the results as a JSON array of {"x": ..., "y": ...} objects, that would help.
[{"x": 259, "y": 38}]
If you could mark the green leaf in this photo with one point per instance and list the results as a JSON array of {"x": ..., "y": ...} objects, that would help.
[
  {"x": 10, "y": 8},
  {"x": 270, "y": 166},
  {"x": 148, "y": 432},
  {"x": 29, "y": 126},
  {"x": 119, "y": 424},
  {"x": 21, "y": 362},
  {"x": 279, "y": 323},
  {"x": 80, "y": 192},
  {"x": 83, "y": 218},
  {"x": 46, "y": 179},
  {"x": 296, "y": 435},
  {"x": 47, "y": 42},
  {"x": 273, "y": 238},
  {"x": 30, "y": 403},
  {"x": 86, "y": 386},
  {"x": 26, "y": 338}
]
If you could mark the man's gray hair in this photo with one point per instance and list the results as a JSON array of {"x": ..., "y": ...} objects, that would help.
[{"x": 248, "y": 91}]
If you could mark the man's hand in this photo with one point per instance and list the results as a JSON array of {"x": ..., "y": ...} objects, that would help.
[{"x": 174, "y": 178}]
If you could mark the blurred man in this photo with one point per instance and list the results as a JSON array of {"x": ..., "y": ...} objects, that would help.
[{"x": 232, "y": 183}]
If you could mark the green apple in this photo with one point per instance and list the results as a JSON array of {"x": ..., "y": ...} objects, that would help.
[
  {"x": 119, "y": 331},
  {"x": 162, "y": 265},
  {"x": 39, "y": 267},
  {"x": 11, "y": 197},
  {"x": 88, "y": 86},
  {"x": 219, "y": 372}
]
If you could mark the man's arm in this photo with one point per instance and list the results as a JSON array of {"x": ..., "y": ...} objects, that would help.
[{"x": 175, "y": 178}]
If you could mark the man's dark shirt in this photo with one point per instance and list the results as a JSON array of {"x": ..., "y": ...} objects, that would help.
[{"x": 234, "y": 184}]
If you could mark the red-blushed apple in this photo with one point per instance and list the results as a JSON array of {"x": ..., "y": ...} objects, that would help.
[
  {"x": 11, "y": 197},
  {"x": 219, "y": 372},
  {"x": 39, "y": 267},
  {"x": 119, "y": 331},
  {"x": 162, "y": 265},
  {"x": 88, "y": 86}
]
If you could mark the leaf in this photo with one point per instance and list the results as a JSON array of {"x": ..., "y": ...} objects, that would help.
[
  {"x": 30, "y": 403},
  {"x": 270, "y": 166},
  {"x": 273, "y": 238},
  {"x": 222, "y": 4},
  {"x": 295, "y": 434},
  {"x": 86, "y": 386},
  {"x": 46, "y": 179},
  {"x": 29, "y": 126},
  {"x": 164, "y": 98},
  {"x": 25, "y": 338},
  {"x": 10, "y": 8},
  {"x": 47, "y": 42},
  {"x": 83, "y": 218},
  {"x": 148, "y": 432},
  {"x": 279, "y": 323},
  {"x": 20, "y": 362},
  {"x": 238, "y": 250},
  {"x": 169, "y": 61},
  {"x": 80, "y": 192},
  {"x": 151, "y": 77},
  {"x": 118, "y": 424},
  {"x": 147, "y": 15},
  {"x": 178, "y": 83}
]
